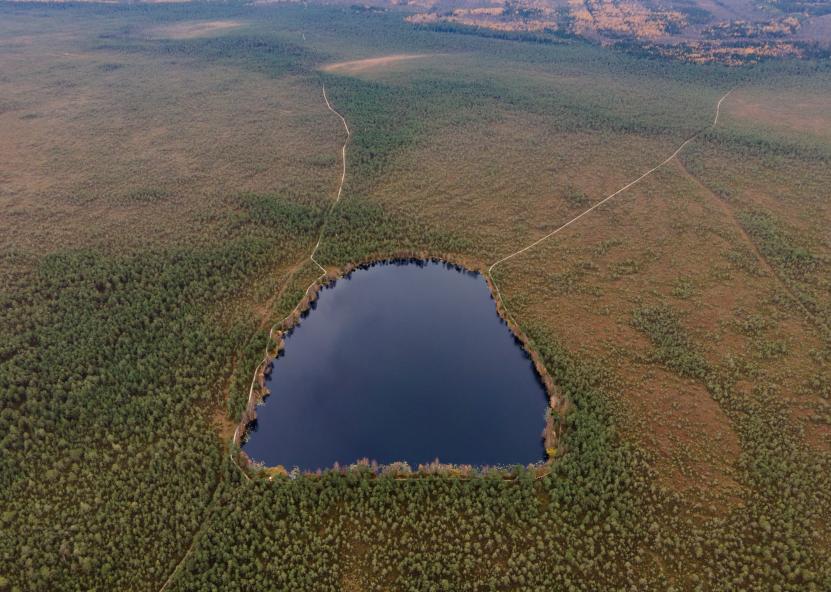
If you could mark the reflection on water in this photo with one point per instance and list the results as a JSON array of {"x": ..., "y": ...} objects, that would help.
[{"x": 403, "y": 361}]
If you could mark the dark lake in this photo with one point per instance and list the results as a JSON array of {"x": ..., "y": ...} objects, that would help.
[{"x": 401, "y": 361}]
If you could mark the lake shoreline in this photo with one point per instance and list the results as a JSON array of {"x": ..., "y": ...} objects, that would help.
[{"x": 550, "y": 435}]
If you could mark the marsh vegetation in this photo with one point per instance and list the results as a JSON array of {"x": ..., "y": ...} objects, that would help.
[{"x": 160, "y": 196}]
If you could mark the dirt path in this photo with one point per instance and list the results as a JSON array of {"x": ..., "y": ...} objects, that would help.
[
  {"x": 298, "y": 266},
  {"x": 209, "y": 510},
  {"x": 728, "y": 212},
  {"x": 769, "y": 269},
  {"x": 293, "y": 270},
  {"x": 289, "y": 276},
  {"x": 501, "y": 302},
  {"x": 264, "y": 361}
]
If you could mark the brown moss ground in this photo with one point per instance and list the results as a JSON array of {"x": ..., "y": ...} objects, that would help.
[
  {"x": 122, "y": 149},
  {"x": 513, "y": 177},
  {"x": 126, "y": 151},
  {"x": 799, "y": 112}
]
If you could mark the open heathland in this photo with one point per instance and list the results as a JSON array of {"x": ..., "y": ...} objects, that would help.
[{"x": 165, "y": 173}]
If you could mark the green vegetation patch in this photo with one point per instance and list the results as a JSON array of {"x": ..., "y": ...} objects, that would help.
[
  {"x": 673, "y": 347},
  {"x": 598, "y": 507},
  {"x": 387, "y": 118},
  {"x": 266, "y": 54},
  {"x": 278, "y": 213},
  {"x": 109, "y": 371},
  {"x": 779, "y": 245},
  {"x": 359, "y": 230}
]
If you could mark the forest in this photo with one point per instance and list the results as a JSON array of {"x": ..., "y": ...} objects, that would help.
[{"x": 138, "y": 291}]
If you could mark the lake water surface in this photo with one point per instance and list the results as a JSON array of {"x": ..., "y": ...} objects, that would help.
[{"x": 402, "y": 361}]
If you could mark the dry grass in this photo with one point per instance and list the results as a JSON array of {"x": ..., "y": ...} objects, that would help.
[
  {"x": 520, "y": 179},
  {"x": 799, "y": 112},
  {"x": 509, "y": 177},
  {"x": 194, "y": 29},
  {"x": 123, "y": 149},
  {"x": 666, "y": 241},
  {"x": 372, "y": 65}
]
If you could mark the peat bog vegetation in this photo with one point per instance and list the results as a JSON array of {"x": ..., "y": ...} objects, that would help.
[{"x": 164, "y": 179}]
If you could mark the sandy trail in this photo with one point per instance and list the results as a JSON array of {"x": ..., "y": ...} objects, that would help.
[
  {"x": 361, "y": 65},
  {"x": 264, "y": 361},
  {"x": 600, "y": 203},
  {"x": 236, "y": 437}
]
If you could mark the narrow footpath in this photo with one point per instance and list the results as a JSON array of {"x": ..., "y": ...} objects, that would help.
[
  {"x": 236, "y": 437},
  {"x": 501, "y": 302}
]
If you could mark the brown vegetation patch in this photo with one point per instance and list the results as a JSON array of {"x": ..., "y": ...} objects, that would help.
[
  {"x": 695, "y": 442},
  {"x": 510, "y": 179},
  {"x": 194, "y": 29},
  {"x": 115, "y": 150},
  {"x": 665, "y": 241},
  {"x": 797, "y": 111},
  {"x": 353, "y": 67}
]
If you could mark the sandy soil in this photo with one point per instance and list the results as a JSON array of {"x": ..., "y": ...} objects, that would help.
[
  {"x": 359, "y": 66},
  {"x": 194, "y": 29}
]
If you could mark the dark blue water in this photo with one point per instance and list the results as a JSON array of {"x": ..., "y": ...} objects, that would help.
[{"x": 401, "y": 362}]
